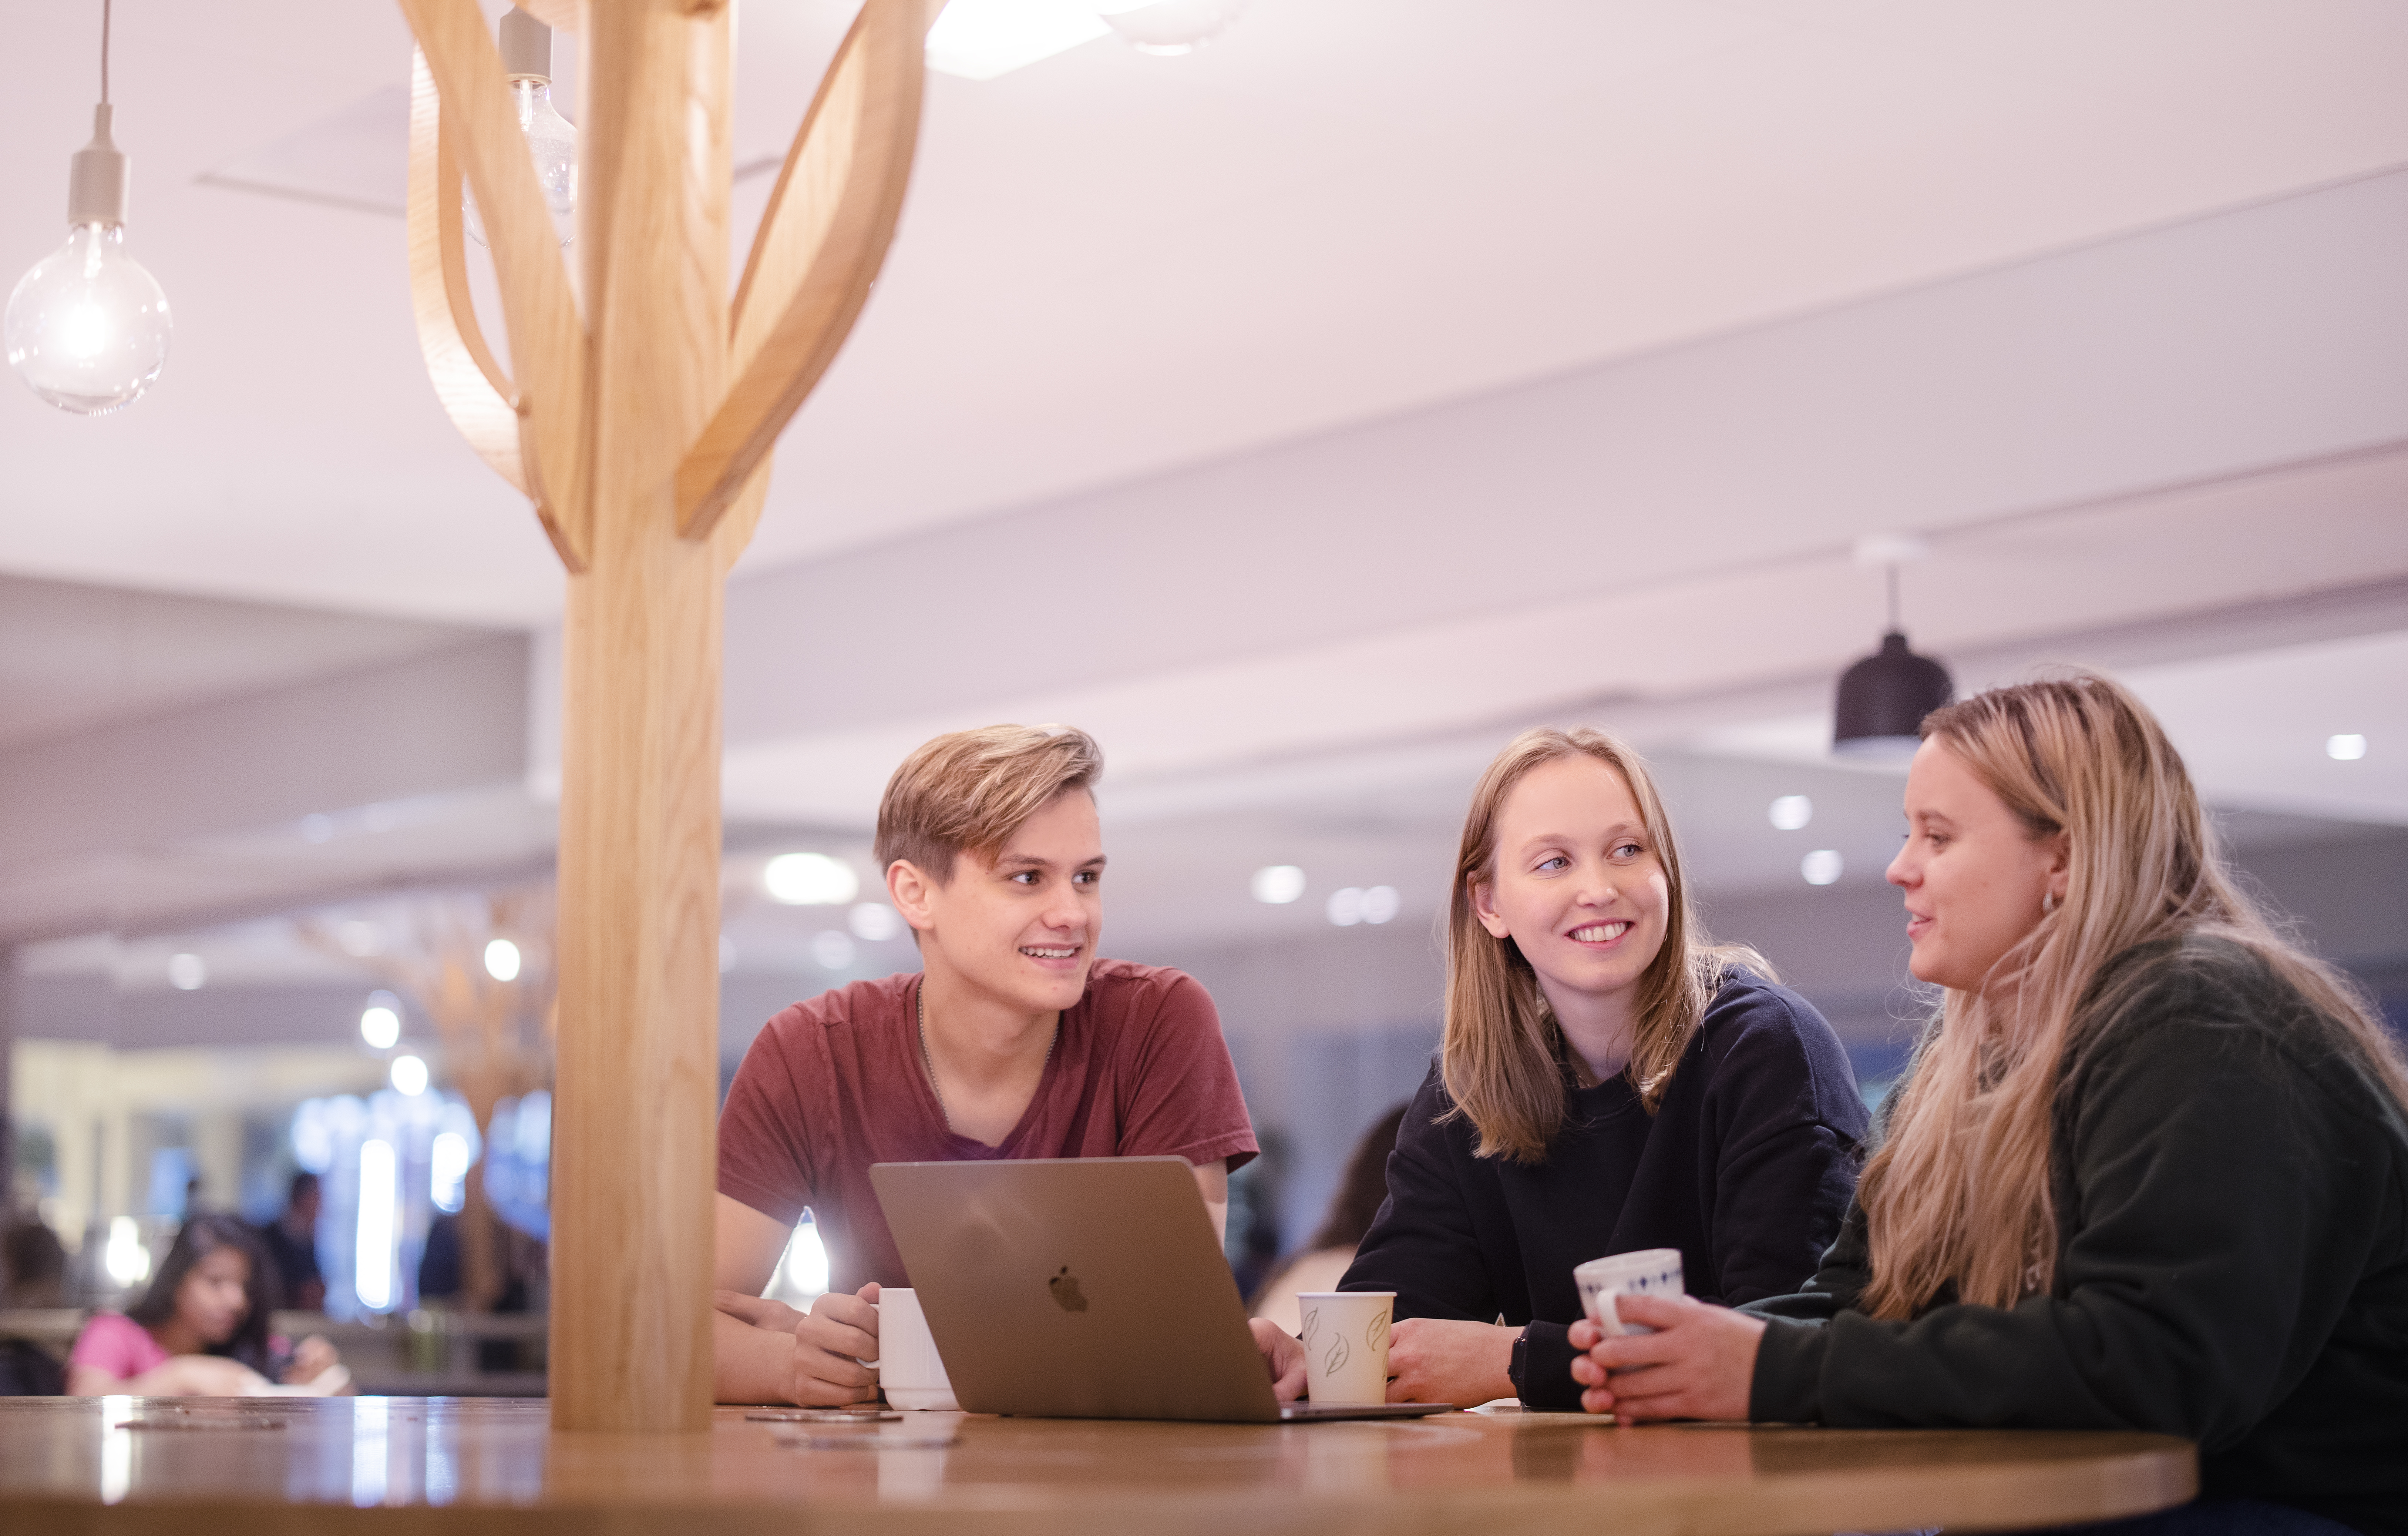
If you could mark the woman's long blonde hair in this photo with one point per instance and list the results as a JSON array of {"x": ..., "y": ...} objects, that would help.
[
  {"x": 1504, "y": 1056},
  {"x": 1959, "y": 1188}
]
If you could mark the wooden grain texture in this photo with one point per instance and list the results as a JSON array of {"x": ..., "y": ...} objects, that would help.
[
  {"x": 824, "y": 235},
  {"x": 734, "y": 532},
  {"x": 539, "y": 309},
  {"x": 610, "y": 405},
  {"x": 470, "y": 383},
  {"x": 638, "y": 1042},
  {"x": 475, "y": 1465}
]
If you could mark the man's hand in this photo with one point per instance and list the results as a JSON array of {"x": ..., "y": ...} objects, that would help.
[
  {"x": 1699, "y": 1363},
  {"x": 758, "y": 1311},
  {"x": 1447, "y": 1359},
  {"x": 1282, "y": 1356},
  {"x": 830, "y": 1345},
  {"x": 830, "y": 1341}
]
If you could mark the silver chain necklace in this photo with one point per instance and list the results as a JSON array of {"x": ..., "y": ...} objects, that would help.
[{"x": 920, "y": 998}]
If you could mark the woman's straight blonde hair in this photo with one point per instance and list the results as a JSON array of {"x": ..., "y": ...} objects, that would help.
[
  {"x": 1504, "y": 1059},
  {"x": 1959, "y": 1188}
]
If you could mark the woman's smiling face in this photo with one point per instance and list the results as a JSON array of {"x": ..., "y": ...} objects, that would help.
[{"x": 1579, "y": 884}]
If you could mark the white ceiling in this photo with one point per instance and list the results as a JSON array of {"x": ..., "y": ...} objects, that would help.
[
  {"x": 1388, "y": 375},
  {"x": 75, "y": 657},
  {"x": 1111, "y": 264}
]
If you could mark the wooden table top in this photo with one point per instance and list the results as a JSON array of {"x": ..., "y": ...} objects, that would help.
[{"x": 289, "y": 1464}]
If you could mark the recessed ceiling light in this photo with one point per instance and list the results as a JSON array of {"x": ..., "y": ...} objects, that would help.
[
  {"x": 2344, "y": 749},
  {"x": 1169, "y": 27},
  {"x": 187, "y": 972},
  {"x": 980, "y": 39},
  {"x": 1823, "y": 867},
  {"x": 874, "y": 922},
  {"x": 1792, "y": 811},
  {"x": 1277, "y": 884},
  {"x": 381, "y": 1021},
  {"x": 1380, "y": 903},
  {"x": 502, "y": 960},
  {"x": 1345, "y": 906},
  {"x": 408, "y": 1076},
  {"x": 810, "y": 880}
]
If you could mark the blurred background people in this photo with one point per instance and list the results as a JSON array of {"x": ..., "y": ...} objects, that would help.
[
  {"x": 1322, "y": 1262},
  {"x": 33, "y": 1266},
  {"x": 292, "y": 1244},
  {"x": 33, "y": 1277},
  {"x": 200, "y": 1328}
]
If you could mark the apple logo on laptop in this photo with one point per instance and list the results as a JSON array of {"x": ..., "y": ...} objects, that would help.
[{"x": 1065, "y": 1287}]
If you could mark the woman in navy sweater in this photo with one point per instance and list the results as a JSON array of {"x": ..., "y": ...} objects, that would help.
[{"x": 1611, "y": 1081}]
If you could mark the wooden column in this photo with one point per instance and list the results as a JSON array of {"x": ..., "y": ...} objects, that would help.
[
  {"x": 641, "y": 430},
  {"x": 638, "y": 1064}
]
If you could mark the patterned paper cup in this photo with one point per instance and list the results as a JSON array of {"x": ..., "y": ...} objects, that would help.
[
  {"x": 1347, "y": 1344},
  {"x": 1650, "y": 1271}
]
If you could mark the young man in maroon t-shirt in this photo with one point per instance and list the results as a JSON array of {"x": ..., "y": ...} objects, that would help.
[{"x": 1015, "y": 1040}]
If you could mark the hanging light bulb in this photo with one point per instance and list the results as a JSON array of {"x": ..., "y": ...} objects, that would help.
[
  {"x": 527, "y": 58},
  {"x": 1883, "y": 697},
  {"x": 87, "y": 328},
  {"x": 1168, "y": 26}
]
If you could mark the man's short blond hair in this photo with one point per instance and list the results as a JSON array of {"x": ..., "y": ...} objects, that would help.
[{"x": 969, "y": 791}]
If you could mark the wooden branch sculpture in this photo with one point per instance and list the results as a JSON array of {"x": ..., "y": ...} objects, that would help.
[{"x": 641, "y": 430}]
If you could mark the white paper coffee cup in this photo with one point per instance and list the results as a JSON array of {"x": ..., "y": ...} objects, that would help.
[
  {"x": 909, "y": 1371},
  {"x": 1650, "y": 1271},
  {"x": 1347, "y": 1344}
]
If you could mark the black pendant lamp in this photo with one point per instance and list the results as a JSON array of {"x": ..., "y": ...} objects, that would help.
[{"x": 1883, "y": 697}]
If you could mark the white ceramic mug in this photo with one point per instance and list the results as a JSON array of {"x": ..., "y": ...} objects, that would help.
[
  {"x": 1650, "y": 1271},
  {"x": 908, "y": 1368},
  {"x": 1347, "y": 1344}
]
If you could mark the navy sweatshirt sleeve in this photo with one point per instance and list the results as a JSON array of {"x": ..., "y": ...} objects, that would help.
[
  {"x": 1745, "y": 1166},
  {"x": 2231, "y": 1198}
]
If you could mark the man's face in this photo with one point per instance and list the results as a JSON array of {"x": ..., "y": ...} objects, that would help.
[{"x": 1022, "y": 927}]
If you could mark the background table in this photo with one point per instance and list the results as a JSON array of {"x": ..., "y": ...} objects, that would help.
[{"x": 271, "y": 1466}]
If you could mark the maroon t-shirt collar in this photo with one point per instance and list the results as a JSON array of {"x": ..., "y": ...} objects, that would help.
[{"x": 971, "y": 1148}]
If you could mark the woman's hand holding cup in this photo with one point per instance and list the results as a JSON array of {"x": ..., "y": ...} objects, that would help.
[{"x": 1697, "y": 1361}]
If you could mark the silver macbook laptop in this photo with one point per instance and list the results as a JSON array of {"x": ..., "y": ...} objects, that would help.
[{"x": 1084, "y": 1287}]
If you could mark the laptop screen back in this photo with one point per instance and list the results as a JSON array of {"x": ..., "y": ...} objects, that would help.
[{"x": 1076, "y": 1288}]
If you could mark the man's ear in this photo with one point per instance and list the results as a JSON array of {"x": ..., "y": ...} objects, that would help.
[
  {"x": 1484, "y": 908},
  {"x": 910, "y": 889}
]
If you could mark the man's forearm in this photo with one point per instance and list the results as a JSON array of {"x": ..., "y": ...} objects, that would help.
[{"x": 750, "y": 1364}]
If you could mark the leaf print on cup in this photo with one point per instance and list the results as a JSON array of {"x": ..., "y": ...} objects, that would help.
[
  {"x": 1311, "y": 1321},
  {"x": 1376, "y": 1334},
  {"x": 1336, "y": 1360}
]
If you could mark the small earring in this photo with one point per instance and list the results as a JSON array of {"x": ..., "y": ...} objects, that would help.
[{"x": 2047, "y": 903}]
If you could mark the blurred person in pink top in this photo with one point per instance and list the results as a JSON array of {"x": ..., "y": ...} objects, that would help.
[{"x": 200, "y": 1330}]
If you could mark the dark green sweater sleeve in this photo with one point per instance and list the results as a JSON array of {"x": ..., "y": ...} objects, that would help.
[{"x": 2219, "y": 1195}]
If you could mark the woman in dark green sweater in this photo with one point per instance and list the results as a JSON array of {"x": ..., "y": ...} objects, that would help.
[{"x": 2149, "y": 1169}]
